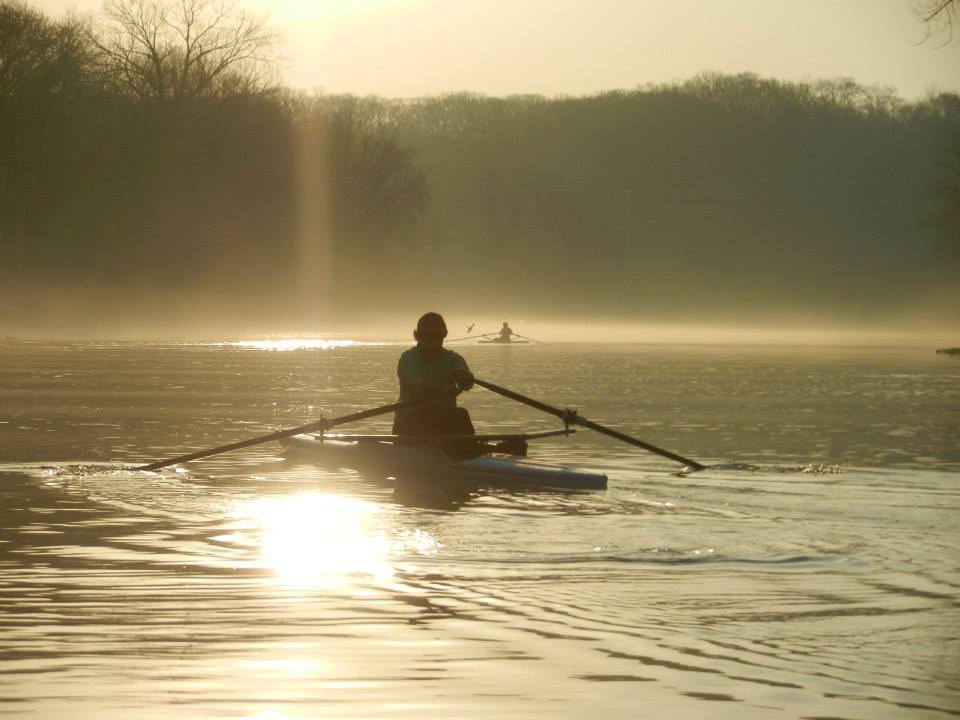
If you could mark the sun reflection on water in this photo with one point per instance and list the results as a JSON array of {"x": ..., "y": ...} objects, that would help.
[
  {"x": 288, "y": 666},
  {"x": 287, "y": 344},
  {"x": 326, "y": 539},
  {"x": 323, "y": 539}
]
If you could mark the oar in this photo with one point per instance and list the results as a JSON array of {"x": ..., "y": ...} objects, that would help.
[
  {"x": 570, "y": 416},
  {"x": 527, "y": 338},
  {"x": 321, "y": 424},
  {"x": 470, "y": 337}
]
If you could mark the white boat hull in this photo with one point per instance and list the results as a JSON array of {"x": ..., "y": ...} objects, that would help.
[{"x": 412, "y": 462}]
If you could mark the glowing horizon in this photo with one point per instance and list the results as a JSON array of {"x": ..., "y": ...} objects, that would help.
[{"x": 414, "y": 48}]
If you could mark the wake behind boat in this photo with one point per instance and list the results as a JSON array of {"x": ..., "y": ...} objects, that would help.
[{"x": 407, "y": 458}]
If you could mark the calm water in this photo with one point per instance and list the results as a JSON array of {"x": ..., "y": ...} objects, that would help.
[{"x": 814, "y": 572}]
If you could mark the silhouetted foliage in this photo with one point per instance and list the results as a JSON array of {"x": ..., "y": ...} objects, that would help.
[
  {"x": 43, "y": 73},
  {"x": 942, "y": 17},
  {"x": 151, "y": 149},
  {"x": 720, "y": 193},
  {"x": 377, "y": 192},
  {"x": 699, "y": 199},
  {"x": 951, "y": 193}
]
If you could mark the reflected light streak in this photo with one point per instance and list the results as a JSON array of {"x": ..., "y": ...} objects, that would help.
[
  {"x": 291, "y": 667},
  {"x": 320, "y": 539},
  {"x": 288, "y": 344},
  {"x": 272, "y": 715}
]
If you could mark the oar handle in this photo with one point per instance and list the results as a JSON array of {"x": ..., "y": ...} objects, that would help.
[
  {"x": 570, "y": 416},
  {"x": 321, "y": 424}
]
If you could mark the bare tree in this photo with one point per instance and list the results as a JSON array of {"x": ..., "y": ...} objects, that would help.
[
  {"x": 162, "y": 49},
  {"x": 940, "y": 16}
]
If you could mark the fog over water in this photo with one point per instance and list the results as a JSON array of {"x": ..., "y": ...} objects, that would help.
[{"x": 398, "y": 328}]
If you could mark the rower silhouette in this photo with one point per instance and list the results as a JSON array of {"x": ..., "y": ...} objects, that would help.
[
  {"x": 430, "y": 373},
  {"x": 506, "y": 333}
]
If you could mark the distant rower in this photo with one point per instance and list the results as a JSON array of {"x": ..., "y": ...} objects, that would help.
[{"x": 506, "y": 333}]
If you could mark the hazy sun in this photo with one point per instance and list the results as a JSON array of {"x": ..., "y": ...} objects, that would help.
[{"x": 297, "y": 11}]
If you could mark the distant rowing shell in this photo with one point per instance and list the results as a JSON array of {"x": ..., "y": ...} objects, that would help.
[
  {"x": 498, "y": 341},
  {"x": 414, "y": 462}
]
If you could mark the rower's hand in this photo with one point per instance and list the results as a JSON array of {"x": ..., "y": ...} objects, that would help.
[{"x": 463, "y": 379}]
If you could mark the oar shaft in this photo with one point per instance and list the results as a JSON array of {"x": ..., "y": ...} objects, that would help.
[
  {"x": 470, "y": 337},
  {"x": 549, "y": 409},
  {"x": 583, "y": 422},
  {"x": 321, "y": 424}
]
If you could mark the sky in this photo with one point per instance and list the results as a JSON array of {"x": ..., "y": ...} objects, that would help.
[{"x": 415, "y": 48}]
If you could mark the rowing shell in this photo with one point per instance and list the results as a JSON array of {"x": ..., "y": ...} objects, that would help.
[{"x": 416, "y": 462}]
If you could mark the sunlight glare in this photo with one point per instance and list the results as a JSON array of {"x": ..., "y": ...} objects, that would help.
[
  {"x": 288, "y": 666},
  {"x": 417, "y": 541},
  {"x": 287, "y": 344},
  {"x": 298, "y": 12},
  {"x": 320, "y": 539},
  {"x": 273, "y": 715}
]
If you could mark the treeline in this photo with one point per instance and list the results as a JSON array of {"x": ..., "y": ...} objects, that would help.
[
  {"x": 164, "y": 168},
  {"x": 134, "y": 158},
  {"x": 706, "y": 197}
]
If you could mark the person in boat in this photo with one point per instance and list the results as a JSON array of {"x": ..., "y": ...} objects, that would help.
[
  {"x": 506, "y": 333},
  {"x": 431, "y": 373}
]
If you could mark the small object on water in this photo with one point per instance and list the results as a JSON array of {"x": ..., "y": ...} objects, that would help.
[{"x": 949, "y": 351}]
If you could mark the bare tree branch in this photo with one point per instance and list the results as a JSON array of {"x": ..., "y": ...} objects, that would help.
[
  {"x": 164, "y": 49},
  {"x": 942, "y": 17}
]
